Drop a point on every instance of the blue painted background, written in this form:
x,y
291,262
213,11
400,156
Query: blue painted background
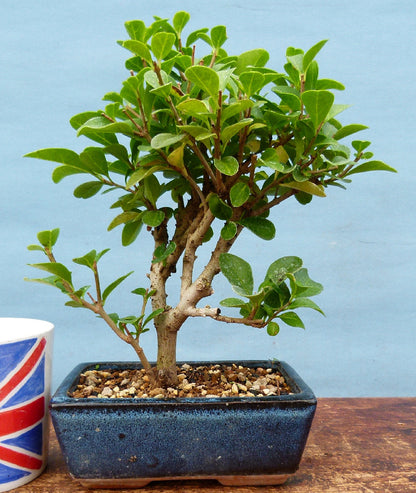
x,y
59,58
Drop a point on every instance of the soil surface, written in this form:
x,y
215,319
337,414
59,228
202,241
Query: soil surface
x,y
200,381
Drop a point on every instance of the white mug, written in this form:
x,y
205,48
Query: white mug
x,y
25,376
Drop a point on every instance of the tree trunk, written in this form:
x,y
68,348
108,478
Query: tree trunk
x,y
166,372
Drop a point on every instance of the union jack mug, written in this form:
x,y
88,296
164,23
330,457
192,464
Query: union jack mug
x,y
25,370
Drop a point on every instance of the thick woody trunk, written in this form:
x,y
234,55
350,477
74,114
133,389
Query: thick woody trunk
x,y
166,373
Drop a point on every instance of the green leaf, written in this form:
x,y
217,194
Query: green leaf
x,y
371,166
348,130
123,218
35,248
138,48
99,124
273,328
162,91
111,287
229,231
360,145
56,269
318,105
180,19
58,155
130,232
227,165
161,44
307,187
193,107
305,285
88,189
239,194
329,84
233,302
153,315
94,159
61,172
219,208
280,268
272,159
165,140
229,132
261,227
305,303
48,238
218,36
136,29
162,252
292,319
252,82
153,218
205,78
311,54
253,58
238,273
235,108
88,259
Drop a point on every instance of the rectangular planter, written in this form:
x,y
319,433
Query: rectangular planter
x,y
119,443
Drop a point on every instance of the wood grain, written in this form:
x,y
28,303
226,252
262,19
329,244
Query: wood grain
x,y
359,445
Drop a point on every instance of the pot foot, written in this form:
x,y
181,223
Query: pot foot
x,y
249,480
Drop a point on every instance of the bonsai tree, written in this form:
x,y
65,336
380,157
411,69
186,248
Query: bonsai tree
x,y
196,139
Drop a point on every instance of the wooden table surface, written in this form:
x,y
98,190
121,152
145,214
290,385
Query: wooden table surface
x,y
355,445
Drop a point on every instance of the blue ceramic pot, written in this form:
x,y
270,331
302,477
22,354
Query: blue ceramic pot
x,y
119,443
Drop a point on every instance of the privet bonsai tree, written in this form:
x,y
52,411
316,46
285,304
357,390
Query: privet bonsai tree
x,y
197,138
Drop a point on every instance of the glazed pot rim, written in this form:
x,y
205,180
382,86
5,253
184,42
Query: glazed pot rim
x,y
302,392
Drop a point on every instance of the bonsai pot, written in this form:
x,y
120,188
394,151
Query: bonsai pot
x,y
129,442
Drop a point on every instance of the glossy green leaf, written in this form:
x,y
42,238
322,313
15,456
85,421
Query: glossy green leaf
x,y
161,44
261,227
280,268
87,260
124,218
153,218
48,238
292,319
232,302
62,172
87,190
99,124
193,107
318,105
238,273
360,145
239,194
162,91
228,133
130,232
219,208
94,159
329,84
253,58
162,252
252,82
227,165
35,248
111,287
305,285
348,130
305,303
138,48
58,155
371,166
307,187
311,54
180,19
235,108
229,231
273,328
136,29
165,140
272,159
56,269
218,36
205,78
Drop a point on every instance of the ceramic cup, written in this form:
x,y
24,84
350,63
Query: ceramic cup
x,y
25,374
